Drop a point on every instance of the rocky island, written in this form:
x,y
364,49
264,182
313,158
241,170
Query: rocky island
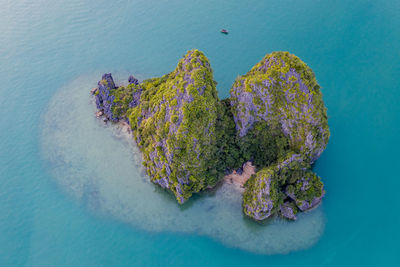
x,y
272,128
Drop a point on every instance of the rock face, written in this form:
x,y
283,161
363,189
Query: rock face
x,y
288,211
174,125
264,196
261,194
282,94
306,192
275,118
282,91
113,101
104,96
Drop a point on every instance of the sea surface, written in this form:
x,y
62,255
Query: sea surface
x,y
73,192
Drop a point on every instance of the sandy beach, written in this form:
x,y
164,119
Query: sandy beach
x,y
238,179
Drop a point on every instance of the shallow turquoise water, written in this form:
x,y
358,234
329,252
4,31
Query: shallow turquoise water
x,y
45,46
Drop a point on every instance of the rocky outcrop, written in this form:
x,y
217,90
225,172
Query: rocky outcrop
x,y
281,94
260,197
113,102
282,91
275,118
174,125
288,211
284,188
306,192
104,96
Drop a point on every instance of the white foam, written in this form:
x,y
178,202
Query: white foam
x,y
100,166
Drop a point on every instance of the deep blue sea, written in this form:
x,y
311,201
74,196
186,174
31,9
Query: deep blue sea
x,y
72,192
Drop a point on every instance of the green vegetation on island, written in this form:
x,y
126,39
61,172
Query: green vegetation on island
x,y
275,118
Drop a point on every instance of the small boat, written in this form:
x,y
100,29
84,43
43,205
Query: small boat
x,y
224,31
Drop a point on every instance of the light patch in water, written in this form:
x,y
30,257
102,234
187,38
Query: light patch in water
x,y
100,166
